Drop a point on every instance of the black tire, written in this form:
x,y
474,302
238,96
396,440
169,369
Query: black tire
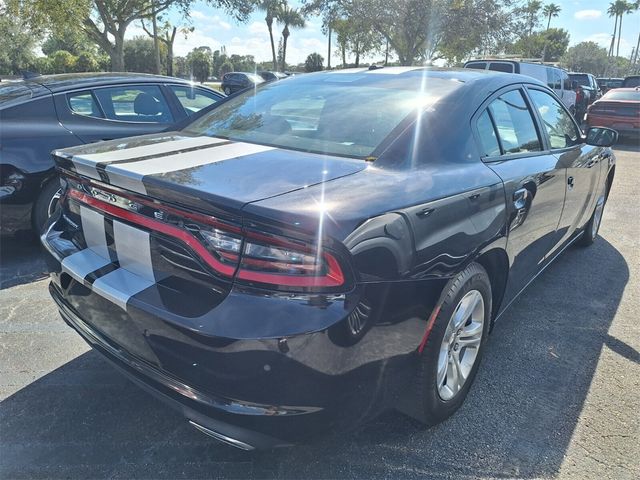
x,y
43,204
227,91
591,229
436,409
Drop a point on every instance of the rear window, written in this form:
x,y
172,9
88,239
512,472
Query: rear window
x,y
501,67
582,80
476,65
630,95
337,114
631,82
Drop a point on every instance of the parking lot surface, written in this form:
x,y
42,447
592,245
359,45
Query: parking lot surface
x,y
557,396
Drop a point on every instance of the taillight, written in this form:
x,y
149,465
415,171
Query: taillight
x,y
252,257
286,263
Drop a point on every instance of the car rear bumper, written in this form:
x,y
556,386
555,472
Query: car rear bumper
x,y
623,125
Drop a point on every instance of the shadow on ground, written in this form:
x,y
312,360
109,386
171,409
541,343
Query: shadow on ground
x,y
21,260
85,420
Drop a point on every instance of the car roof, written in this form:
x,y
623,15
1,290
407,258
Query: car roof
x,y
68,81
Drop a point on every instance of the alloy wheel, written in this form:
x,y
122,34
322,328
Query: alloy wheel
x,y
460,345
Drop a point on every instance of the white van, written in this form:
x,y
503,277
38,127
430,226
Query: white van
x,y
556,78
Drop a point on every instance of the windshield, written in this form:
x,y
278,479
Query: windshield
x,y
583,80
337,114
631,95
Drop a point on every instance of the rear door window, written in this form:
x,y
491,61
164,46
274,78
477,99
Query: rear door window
x,y
514,123
83,103
139,103
489,145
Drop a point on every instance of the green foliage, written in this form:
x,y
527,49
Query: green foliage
x,y
73,40
226,67
549,45
586,57
139,55
17,42
87,62
199,61
313,63
63,62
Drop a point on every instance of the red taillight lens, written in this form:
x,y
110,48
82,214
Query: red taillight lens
x,y
288,265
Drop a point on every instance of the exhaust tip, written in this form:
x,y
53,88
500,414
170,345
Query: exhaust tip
x,y
223,438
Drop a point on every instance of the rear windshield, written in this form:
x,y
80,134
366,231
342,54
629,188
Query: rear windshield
x,y
631,82
582,80
346,114
631,95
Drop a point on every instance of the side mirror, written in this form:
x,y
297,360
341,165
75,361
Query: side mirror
x,y
601,137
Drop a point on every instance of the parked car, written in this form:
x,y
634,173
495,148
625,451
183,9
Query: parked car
x,y
272,76
556,78
618,109
276,279
588,84
237,81
57,111
606,84
631,81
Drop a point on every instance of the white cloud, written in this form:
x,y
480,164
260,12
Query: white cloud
x,y
258,28
209,22
587,14
602,39
193,40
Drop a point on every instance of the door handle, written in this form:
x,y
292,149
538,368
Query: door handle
x,y
570,183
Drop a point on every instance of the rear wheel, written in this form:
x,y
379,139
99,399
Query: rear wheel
x,y
592,227
452,353
46,204
227,91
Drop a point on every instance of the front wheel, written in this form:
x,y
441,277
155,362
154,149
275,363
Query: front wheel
x,y
452,353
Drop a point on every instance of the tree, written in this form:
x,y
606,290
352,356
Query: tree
x,y
313,63
289,17
551,10
139,55
585,57
63,62
225,68
270,9
18,42
199,61
87,62
74,41
549,45
618,9
532,12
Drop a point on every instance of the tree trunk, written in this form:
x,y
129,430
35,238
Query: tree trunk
x,y
329,51
549,22
117,53
273,47
357,57
619,37
386,53
170,42
344,56
285,36
635,59
613,40
156,43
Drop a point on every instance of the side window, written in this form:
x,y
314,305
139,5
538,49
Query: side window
x,y
193,99
83,103
476,65
553,78
566,81
139,103
515,125
557,121
501,67
488,140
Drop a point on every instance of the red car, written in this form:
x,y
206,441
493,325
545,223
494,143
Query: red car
x,y
618,109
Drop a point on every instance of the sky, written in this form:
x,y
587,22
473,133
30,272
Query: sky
x,y
584,19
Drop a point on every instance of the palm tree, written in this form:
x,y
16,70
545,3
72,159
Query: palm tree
x,y
551,10
289,17
270,8
624,7
618,9
531,10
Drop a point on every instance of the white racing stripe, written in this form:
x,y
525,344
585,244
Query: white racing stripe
x,y
93,230
129,175
82,263
134,250
120,285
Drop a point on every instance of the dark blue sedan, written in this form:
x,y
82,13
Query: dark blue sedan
x,y
306,255
57,111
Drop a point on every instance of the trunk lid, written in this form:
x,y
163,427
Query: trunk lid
x,y
199,171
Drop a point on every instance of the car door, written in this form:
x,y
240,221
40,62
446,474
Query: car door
x,y
534,181
581,161
116,111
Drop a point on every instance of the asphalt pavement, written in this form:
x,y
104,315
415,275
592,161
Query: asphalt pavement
x,y
557,396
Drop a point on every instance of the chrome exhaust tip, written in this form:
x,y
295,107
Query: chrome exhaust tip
x,y
223,438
